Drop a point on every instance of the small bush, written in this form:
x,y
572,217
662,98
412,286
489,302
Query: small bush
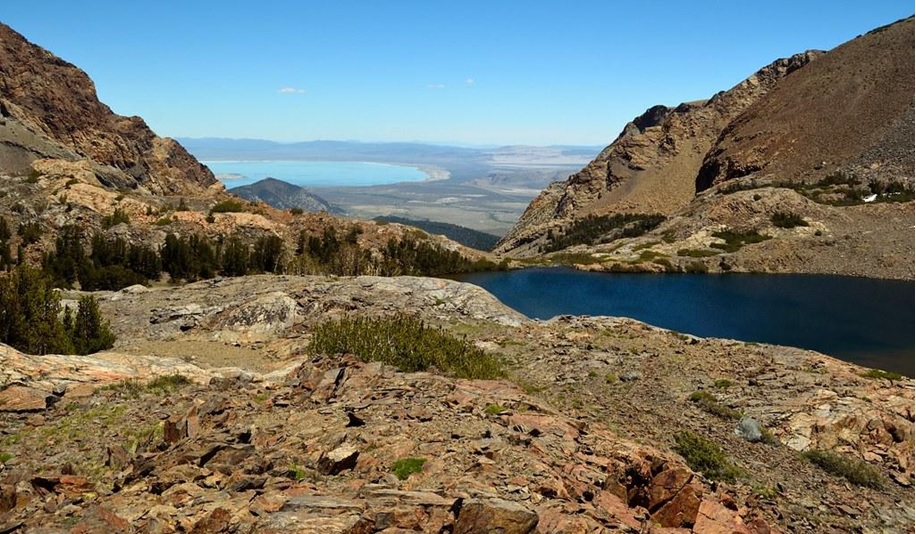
x,y
710,404
736,240
30,232
406,343
705,456
785,219
696,253
881,373
296,472
405,467
167,383
853,470
163,221
227,206
5,457
116,218
723,383
494,409
296,211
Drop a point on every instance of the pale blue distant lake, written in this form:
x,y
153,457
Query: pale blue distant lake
x,y
313,173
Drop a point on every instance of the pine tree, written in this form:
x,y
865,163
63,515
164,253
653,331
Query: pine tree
x,y
89,332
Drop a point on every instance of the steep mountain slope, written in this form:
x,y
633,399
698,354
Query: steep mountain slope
x,y
49,109
283,195
851,111
651,167
814,174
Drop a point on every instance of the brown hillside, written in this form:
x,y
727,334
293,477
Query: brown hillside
x,y
49,108
651,167
851,110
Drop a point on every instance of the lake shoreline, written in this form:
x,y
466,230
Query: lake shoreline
x,y
864,321
235,173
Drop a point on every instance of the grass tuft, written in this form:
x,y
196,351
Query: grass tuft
x,y
853,470
710,404
706,457
881,373
405,467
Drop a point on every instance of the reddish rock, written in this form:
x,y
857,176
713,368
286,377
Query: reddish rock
x,y
340,459
494,515
101,520
217,521
681,510
7,498
23,399
714,518
666,485
613,507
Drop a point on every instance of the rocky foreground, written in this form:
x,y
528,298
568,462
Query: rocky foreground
x,y
246,431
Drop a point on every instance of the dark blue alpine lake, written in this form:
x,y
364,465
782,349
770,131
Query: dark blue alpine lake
x,y
865,321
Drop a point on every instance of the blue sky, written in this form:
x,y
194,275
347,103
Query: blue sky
x,y
471,72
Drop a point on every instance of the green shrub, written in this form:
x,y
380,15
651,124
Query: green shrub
x,y
227,206
736,240
163,221
116,218
723,383
405,467
696,253
406,343
494,409
88,331
168,383
710,404
296,211
705,456
30,232
881,373
785,219
853,470
5,457
605,228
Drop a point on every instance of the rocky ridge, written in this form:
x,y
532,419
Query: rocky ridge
x,y
50,109
651,167
268,437
826,137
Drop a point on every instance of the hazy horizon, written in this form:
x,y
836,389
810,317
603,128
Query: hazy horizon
x,y
477,73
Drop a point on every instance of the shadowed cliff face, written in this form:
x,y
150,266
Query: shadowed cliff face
x,y
50,109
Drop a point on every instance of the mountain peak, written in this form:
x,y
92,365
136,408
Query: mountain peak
x,y
50,108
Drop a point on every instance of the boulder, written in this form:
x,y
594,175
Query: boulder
x,y
494,516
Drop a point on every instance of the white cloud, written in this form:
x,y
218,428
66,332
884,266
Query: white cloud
x,y
291,91
435,86
469,81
